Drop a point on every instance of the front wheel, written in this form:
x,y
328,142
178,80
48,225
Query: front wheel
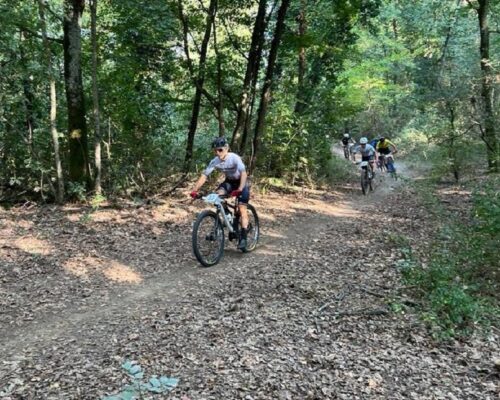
x,y
364,180
253,230
208,238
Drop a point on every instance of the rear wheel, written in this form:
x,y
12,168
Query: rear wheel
x,y
392,169
208,238
253,230
364,180
346,152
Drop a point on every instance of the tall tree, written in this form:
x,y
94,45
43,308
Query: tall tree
x,y
53,104
77,126
199,85
268,81
487,79
251,72
95,97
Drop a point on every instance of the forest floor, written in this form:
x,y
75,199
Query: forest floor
x,y
318,311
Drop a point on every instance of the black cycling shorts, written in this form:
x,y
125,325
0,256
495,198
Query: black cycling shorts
x,y
229,185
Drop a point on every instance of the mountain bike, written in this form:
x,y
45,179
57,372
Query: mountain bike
x,y
208,230
381,163
366,177
346,152
391,168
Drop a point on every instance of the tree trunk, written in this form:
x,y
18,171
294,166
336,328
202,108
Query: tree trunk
x,y
95,98
487,78
53,105
300,103
28,99
266,88
199,87
220,104
253,64
77,126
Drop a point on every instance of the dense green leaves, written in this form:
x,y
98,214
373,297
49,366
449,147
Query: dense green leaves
x,y
401,68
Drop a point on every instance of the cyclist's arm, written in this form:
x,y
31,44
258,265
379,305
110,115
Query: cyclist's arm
x,y
243,180
200,182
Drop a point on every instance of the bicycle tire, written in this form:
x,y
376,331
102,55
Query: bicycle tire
x,y
253,232
364,179
214,236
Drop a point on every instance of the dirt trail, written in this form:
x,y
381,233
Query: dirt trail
x,y
304,316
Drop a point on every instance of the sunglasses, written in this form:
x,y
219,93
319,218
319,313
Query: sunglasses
x,y
219,150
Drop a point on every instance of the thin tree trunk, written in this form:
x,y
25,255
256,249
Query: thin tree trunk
x,y
53,105
199,86
300,98
266,88
28,99
95,98
77,126
220,105
491,139
252,69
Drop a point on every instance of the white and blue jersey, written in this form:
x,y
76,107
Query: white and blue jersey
x,y
232,166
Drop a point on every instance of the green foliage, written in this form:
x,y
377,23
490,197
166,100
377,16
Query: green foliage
x,y
140,386
96,201
461,283
77,191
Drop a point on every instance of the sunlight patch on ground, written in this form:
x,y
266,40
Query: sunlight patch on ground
x,y
335,210
33,245
455,190
83,267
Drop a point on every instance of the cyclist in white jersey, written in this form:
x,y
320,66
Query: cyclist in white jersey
x,y
235,183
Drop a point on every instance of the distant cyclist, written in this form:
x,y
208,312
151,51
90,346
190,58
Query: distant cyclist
x,y
235,183
347,142
374,142
367,152
384,146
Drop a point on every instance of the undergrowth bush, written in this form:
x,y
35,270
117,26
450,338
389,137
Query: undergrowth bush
x,y
460,284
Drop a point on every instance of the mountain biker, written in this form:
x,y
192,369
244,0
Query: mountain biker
x,y
347,142
374,142
346,139
235,182
383,146
367,152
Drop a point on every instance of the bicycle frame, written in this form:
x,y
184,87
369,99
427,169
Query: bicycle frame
x,y
219,203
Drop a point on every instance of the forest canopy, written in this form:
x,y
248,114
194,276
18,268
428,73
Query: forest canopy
x,y
101,96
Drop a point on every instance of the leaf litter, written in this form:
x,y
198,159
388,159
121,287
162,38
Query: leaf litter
x,y
305,316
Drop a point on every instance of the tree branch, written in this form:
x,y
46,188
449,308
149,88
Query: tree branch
x,y
38,35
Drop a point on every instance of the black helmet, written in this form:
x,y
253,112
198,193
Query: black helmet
x,y
219,142
382,138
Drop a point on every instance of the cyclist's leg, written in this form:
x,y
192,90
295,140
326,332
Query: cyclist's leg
x,y
242,205
224,188
243,209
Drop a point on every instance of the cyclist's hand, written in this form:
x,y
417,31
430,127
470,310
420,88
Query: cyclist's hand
x,y
194,194
236,193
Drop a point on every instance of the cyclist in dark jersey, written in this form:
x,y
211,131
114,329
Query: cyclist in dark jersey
x,y
235,183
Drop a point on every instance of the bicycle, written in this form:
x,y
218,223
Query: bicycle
x,y
208,235
387,161
346,151
366,177
391,168
381,163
